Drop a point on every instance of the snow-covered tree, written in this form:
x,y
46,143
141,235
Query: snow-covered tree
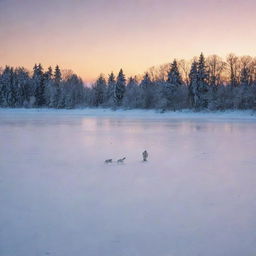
x,y
133,97
56,100
119,88
211,83
202,88
148,88
192,96
172,88
23,87
73,91
57,75
110,92
8,96
48,81
39,86
174,76
99,89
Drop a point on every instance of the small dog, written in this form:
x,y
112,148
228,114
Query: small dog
x,y
119,161
108,161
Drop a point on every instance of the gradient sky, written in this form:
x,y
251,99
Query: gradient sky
x,y
99,36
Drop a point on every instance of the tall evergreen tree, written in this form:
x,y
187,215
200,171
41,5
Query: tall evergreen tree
x,y
147,91
192,90
120,88
174,76
171,88
8,88
38,79
110,94
56,101
202,85
13,94
48,74
49,89
57,75
6,80
99,91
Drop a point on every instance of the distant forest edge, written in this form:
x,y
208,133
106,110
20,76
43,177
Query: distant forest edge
x,y
202,83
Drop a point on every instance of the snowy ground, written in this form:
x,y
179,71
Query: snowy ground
x,y
195,196
137,113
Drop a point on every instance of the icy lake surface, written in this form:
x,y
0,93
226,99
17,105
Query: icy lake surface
x,y
196,196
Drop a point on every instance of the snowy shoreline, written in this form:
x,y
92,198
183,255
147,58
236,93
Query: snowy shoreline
x,y
138,113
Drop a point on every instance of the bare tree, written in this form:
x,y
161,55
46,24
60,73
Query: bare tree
x,y
67,73
216,67
184,68
233,68
158,73
246,70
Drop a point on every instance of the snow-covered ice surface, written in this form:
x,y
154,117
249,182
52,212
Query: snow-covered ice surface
x,y
195,196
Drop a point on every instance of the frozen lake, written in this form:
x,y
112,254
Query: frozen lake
x,y
196,196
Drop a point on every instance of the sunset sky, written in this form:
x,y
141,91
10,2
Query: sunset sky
x,y
99,36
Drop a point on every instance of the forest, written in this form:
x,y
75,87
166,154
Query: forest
x,y
202,83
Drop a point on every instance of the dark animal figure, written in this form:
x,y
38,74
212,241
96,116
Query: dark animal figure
x,y
119,161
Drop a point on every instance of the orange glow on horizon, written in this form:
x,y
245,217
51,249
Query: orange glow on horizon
x,y
93,37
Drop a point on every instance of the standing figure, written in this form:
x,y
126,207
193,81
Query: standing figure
x,y
145,155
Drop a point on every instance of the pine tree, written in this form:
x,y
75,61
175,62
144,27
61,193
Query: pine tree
x,y
202,90
13,94
48,74
6,81
132,81
49,89
99,91
8,88
192,90
57,75
120,88
171,88
147,91
174,76
110,94
38,78
56,101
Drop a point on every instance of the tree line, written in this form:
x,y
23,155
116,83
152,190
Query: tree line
x,y
203,83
